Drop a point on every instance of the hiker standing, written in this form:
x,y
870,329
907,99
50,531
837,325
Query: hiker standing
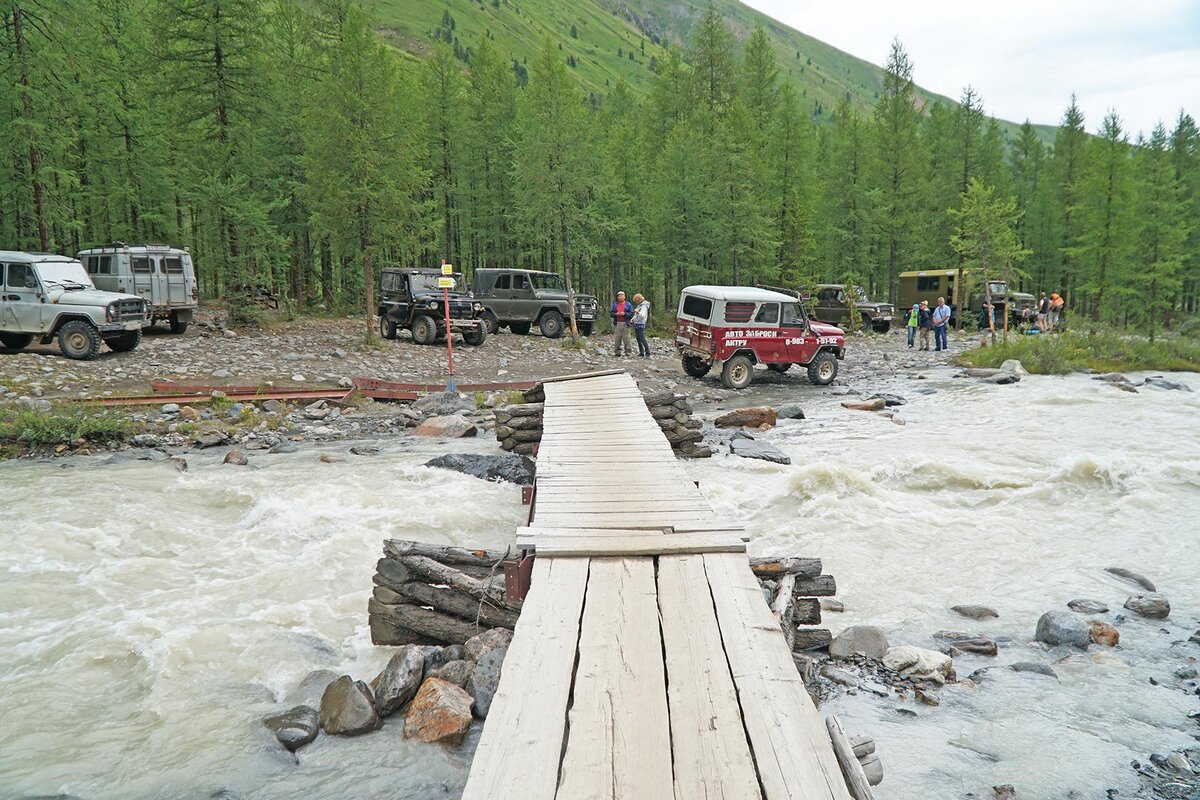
x,y
941,316
914,317
1056,305
1043,312
925,322
641,316
621,313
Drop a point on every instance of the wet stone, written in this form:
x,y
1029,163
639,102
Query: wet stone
x,y
398,682
1088,606
347,708
1151,605
484,680
441,712
295,727
975,612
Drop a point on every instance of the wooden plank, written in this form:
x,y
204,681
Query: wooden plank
x,y
791,748
548,382
629,505
619,745
519,750
539,531
708,742
860,788
646,543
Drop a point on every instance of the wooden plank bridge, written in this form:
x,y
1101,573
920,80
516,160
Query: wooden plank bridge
x,y
646,663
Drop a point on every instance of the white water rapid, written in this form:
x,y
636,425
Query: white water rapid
x,y
150,618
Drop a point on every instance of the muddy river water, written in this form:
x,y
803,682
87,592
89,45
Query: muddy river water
x,y
149,618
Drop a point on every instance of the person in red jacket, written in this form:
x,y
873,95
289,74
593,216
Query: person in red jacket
x,y
622,315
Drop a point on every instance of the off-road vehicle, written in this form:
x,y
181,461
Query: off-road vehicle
x,y
412,300
160,274
522,298
830,302
953,284
44,296
734,328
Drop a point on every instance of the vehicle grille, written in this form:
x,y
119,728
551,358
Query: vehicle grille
x,y
461,309
129,310
887,311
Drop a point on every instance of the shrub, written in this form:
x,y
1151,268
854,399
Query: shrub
x,y
1100,349
61,426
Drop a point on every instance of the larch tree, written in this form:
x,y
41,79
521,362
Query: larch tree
x,y
985,237
1161,231
1068,163
896,128
1106,200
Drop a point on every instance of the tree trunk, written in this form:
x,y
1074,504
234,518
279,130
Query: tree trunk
x,y
35,154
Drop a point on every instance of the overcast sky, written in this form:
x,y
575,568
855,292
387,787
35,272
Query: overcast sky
x,y
1026,57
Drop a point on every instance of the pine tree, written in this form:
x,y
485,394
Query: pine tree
x,y
985,237
847,197
896,127
1161,232
1185,157
1106,202
488,152
1067,166
442,98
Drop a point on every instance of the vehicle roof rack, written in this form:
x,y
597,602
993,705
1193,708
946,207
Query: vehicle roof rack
x,y
780,289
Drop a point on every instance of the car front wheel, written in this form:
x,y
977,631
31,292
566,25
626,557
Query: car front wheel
x,y
124,342
551,324
823,369
424,330
79,340
586,328
737,373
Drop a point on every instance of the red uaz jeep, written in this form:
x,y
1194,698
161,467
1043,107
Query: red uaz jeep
x,y
735,328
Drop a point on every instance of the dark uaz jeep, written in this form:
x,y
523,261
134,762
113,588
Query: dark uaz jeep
x,y
830,302
412,299
520,298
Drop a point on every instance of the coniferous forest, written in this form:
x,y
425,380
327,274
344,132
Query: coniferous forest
x,y
289,147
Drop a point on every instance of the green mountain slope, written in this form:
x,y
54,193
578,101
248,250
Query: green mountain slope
x,y
616,39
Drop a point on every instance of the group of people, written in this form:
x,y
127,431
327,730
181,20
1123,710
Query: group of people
x,y
626,315
1049,312
925,321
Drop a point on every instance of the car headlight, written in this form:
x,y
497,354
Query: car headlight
x,y
109,312
432,304
479,306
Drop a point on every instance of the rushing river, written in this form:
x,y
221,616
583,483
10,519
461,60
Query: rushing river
x,y
150,618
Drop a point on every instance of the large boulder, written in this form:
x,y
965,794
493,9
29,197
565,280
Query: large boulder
x,y
481,644
511,468
753,417
1059,627
450,427
1014,367
867,640
1151,605
347,708
400,679
439,404
917,662
295,727
441,712
749,448
456,672
484,680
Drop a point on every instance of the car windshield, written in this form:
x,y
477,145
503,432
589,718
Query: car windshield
x,y
428,282
64,275
997,287
547,280
860,295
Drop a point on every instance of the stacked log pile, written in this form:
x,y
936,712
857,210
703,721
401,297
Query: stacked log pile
x,y
519,426
425,594
793,588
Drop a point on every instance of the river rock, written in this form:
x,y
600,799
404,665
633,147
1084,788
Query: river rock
x,y
441,712
170,408
753,417
212,437
484,680
832,605
1005,792
751,448
1103,633
1088,606
975,612
979,645
295,727
272,406
1015,367
451,427
399,680
917,662
1132,577
309,691
866,405
437,656
236,457
510,467
1002,378
1035,668
439,404
889,400
789,411
480,645
928,698
146,440
1151,605
456,672
868,640
838,676
1059,627
347,708
1165,384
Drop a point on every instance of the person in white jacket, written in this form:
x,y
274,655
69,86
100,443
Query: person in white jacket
x,y
641,316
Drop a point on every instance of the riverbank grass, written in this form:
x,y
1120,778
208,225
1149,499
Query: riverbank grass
x,y
26,428
1098,350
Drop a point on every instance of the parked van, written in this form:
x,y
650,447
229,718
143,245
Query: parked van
x,y
931,284
160,274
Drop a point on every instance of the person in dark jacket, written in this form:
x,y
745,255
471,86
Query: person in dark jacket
x,y
622,316
925,323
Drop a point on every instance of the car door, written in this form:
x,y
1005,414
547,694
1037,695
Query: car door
x,y
799,340
500,298
143,268
176,293
523,307
769,344
22,307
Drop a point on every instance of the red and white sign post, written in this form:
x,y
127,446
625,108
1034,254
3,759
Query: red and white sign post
x,y
446,283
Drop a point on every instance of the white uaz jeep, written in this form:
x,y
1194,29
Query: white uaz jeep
x,y
47,296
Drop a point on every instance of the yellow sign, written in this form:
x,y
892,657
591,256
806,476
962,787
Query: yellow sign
x,y
447,269
445,283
